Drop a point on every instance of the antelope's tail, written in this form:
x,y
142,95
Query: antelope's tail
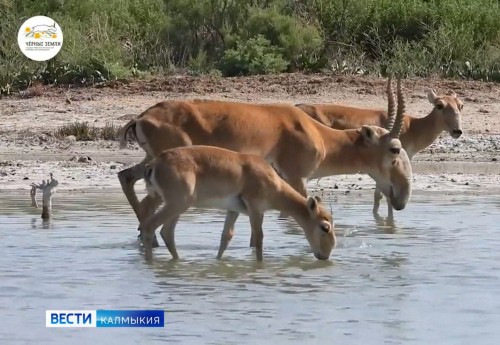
x,y
129,127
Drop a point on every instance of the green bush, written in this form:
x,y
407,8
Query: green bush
x,y
201,27
295,38
106,40
103,40
253,56
419,37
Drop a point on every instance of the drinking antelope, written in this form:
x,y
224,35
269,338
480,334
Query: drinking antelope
x,y
417,133
297,146
212,177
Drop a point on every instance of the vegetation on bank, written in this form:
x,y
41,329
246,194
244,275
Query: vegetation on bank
x,y
113,39
83,131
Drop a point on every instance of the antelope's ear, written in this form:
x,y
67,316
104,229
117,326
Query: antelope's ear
x,y
368,134
312,204
432,96
318,199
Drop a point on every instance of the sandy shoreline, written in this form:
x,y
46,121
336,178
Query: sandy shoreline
x,y
28,151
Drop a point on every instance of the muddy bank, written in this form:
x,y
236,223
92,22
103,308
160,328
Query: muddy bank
x,y
29,151
101,174
28,145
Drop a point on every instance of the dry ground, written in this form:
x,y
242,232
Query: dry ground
x,y
28,152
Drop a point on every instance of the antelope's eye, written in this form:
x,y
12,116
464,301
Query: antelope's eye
x,y
440,106
325,227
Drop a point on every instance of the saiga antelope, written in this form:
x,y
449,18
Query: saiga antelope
x,y
297,146
212,177
417,133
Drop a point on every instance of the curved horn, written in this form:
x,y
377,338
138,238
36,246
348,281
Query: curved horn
x,y
391,102
398,123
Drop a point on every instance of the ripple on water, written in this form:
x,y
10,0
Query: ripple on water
x,y
430,277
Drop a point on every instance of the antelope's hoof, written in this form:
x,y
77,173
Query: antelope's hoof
x,y
155,240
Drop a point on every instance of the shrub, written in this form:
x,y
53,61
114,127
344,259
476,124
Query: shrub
x,y
420,37
295,39
103,40
253,56
201,27
82,131
106,40
110,131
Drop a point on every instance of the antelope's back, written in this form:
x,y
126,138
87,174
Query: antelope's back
x,y
217,172
344,117
241,127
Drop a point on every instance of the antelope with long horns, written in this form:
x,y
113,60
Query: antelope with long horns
x,y
417,132
297,146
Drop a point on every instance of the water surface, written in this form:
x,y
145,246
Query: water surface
x,y
432,278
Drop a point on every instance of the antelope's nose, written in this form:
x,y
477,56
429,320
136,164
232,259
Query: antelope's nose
x,y
456,133
395,150
398,206
320,257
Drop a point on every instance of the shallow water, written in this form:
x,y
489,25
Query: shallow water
x,y
433,278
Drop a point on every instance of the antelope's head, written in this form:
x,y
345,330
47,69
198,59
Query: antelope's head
x,y
392,172
318,228
448,109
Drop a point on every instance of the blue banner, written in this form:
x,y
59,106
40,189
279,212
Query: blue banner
x,y
130,318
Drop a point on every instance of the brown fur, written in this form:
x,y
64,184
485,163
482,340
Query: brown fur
x,y
296,146
417,133
211,177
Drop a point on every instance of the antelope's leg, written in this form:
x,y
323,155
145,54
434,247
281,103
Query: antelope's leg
x,y
149,226
390,214
168,215
167,232
256,219
252,238
227,232
128,177
377,196
147,208
297,183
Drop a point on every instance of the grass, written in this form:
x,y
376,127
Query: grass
x,y
115,39
82,131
